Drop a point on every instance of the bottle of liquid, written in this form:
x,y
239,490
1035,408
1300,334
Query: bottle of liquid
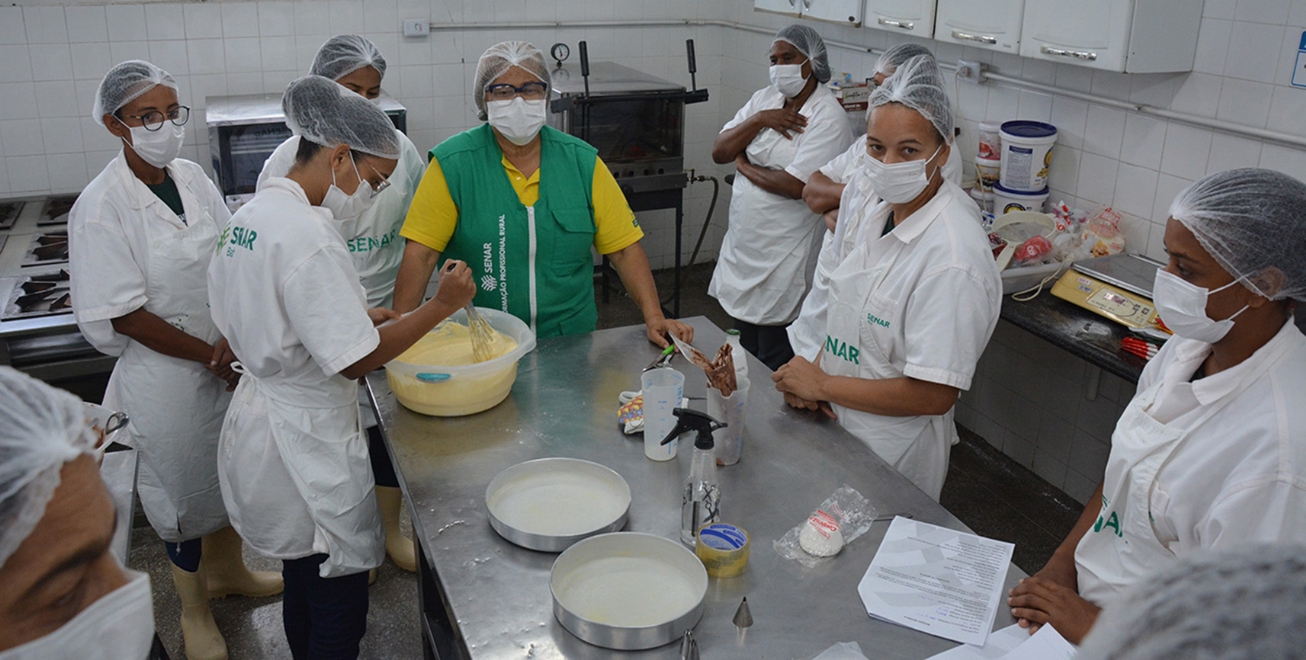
x,y
700,502
737,353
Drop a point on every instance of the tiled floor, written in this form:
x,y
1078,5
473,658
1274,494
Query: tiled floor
x,y
989,492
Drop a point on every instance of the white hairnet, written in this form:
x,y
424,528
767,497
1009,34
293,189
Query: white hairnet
x,y
896,56
320,111
1248,603
918,85
344,54
125,83
809,43
41,428
1253,221
497,59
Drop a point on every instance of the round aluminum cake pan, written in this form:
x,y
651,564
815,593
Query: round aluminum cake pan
x,y
628,591
550,503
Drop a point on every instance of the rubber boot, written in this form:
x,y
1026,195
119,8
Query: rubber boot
x,y
397,546
227,573
200,633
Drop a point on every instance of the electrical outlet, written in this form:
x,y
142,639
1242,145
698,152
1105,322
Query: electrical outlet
x,y
971,71
417,28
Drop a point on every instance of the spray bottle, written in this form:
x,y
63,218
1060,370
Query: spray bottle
x,y
701,500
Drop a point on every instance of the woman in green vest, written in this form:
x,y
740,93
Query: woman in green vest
x,y
523,204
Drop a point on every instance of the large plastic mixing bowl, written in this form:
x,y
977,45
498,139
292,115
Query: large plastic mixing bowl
x,y
451,391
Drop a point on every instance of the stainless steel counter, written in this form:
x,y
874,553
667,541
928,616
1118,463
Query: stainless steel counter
x,y
118,471
487,598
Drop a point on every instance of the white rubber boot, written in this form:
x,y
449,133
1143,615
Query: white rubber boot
x,y
200,633
397,545
227,574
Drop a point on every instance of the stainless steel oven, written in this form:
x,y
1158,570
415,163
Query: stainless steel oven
x,y
245,130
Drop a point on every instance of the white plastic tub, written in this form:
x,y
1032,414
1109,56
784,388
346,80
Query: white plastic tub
x,y
1010,201
1026,154
452,391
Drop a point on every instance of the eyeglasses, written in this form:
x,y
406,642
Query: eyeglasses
x,y
380,187
531,91
153,121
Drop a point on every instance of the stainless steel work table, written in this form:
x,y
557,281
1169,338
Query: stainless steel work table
x,y
483,597
118,470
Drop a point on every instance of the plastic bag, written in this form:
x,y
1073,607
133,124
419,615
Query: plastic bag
x,y
846,508
842,651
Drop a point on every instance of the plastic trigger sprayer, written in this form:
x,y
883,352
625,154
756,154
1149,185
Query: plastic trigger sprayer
x,y
701,499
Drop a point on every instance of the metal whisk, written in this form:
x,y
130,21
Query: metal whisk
x,y
482,334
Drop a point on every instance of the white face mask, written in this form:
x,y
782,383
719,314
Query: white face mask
x,y
1182,307
517,119
157,148
348,207
899,183
376,101
788,79
120,625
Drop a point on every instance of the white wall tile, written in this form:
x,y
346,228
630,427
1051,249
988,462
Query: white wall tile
x,y
1232,151
1263,11
17,64
45,24
1186,151
91,61
1035,106
1219,8
382,16
18,100
276,19
171,55
243,55
310,19
1168,187
240,19
1097,178
1212,46
203,20
1253,51
1049,468
58,99
346,16
62,135
67,172
120,51
1144,141
86,24
206,56
165,21
125,22
1064,175
1111,85
1135,190
1297,13
1287,109
27,173
1070,116
1080,487
12,30
1198,94
1245,102
21,137
1288,160
278,54
1156,90
1104,131
1003,104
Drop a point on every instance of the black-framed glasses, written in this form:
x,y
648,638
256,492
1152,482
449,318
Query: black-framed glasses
x,y
153,120
531,91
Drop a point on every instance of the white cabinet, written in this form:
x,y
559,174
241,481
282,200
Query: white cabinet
x,y
914,17
843,12
994,24
1133,36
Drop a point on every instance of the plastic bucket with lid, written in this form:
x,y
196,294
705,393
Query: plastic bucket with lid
x,y
987,172
1026,154
1007,201
990,140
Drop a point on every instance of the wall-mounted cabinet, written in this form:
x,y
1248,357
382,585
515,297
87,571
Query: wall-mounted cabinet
x,y
843,12
1133,36
994,25
913,17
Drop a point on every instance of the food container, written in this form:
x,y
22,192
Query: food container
x,y
550,503
1026,154
451,391
1007,201
988,171
990,139
628,591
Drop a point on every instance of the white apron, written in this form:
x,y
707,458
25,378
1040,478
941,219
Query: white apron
x,y
1122,547
917,446
176,406
766,259
294,462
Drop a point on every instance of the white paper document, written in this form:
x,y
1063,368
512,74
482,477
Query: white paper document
x,y
1015,643
936,580
1046,644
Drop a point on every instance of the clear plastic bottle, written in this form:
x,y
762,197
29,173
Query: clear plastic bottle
x,y
738,354
701,501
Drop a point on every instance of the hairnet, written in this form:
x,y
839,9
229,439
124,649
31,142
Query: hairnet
x,y
497,59
896,56
1253,222
320,111
809,43
918,85
41,428
125,83
1210,605
344,54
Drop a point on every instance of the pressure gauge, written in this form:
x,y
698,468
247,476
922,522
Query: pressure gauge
x,y
560,52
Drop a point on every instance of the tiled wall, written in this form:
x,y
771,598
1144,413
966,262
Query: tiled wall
x,y
54,57
1029,398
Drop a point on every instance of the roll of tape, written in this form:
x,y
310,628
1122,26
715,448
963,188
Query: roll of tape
x,y
723,549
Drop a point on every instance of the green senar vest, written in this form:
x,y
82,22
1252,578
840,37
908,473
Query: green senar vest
x,y
493,234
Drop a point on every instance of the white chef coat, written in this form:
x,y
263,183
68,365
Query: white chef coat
x,y
372,238
1235,478
768,254
130,251
292,459
841,169
921,302
807,332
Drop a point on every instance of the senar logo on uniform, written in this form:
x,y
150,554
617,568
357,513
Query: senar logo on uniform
x,y
873,319
842,349
233,237
368,243
1107,522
